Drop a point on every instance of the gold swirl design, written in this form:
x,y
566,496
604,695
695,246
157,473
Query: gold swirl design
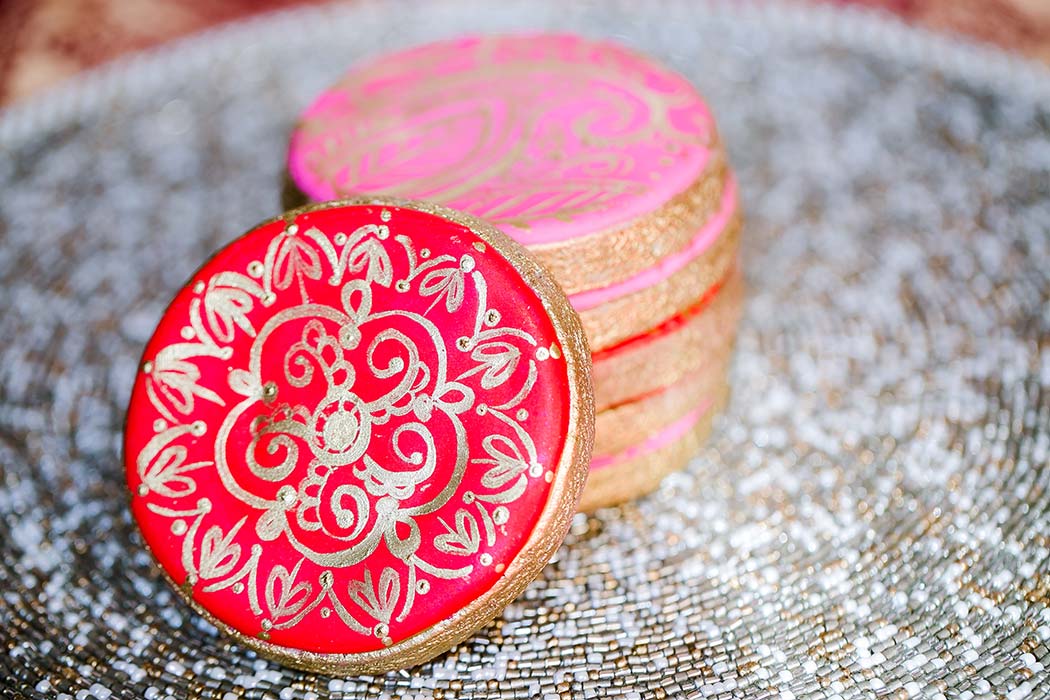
x,y
512,80
339,425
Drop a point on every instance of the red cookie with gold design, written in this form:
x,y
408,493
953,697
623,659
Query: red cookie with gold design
x,y
359,431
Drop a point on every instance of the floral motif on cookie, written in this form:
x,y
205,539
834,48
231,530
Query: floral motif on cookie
x,y
549,137
346,427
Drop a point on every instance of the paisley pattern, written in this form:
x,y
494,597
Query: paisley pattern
x,y
339,415
550,137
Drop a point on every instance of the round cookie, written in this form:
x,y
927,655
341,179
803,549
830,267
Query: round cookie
x,y
630,308
622,427
672,351
598,159
358,432
639,469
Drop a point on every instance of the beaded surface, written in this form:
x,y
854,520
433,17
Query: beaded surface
x,y
871,519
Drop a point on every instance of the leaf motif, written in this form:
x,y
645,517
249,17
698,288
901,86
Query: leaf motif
x,y
219,553
506,460
371,256
499,359
379,602
568,197
175,379
295,258
271,524
446,282
285,597
228,302
242,381
166,473
464,539
322,242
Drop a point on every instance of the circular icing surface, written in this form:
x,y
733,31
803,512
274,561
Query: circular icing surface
x,y
547,136
346,428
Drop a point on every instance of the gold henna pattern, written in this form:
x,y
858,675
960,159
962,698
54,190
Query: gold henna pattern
x,y
382,500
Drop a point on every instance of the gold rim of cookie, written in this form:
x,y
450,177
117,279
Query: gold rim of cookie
x,y
610,256
636,313
658,359
637,476
617,429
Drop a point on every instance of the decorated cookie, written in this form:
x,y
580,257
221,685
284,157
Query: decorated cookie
x,y
599,160
684,345
625,310
358,432
621,427
640,468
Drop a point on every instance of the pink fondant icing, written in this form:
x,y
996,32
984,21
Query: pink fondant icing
x,y
668,265
662,438
547,136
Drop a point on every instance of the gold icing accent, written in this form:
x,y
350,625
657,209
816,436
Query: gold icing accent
x,y
636,477
567,480
633,314
639,368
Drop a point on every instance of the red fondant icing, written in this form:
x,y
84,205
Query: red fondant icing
x,y
342,434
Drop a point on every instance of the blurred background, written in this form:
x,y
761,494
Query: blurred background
x,y
48,41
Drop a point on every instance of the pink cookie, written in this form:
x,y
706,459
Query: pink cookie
x,y
598,159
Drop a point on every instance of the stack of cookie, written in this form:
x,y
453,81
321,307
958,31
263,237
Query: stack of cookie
x,y
607,167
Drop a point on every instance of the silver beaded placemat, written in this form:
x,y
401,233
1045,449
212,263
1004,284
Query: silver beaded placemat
x,y
872,518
